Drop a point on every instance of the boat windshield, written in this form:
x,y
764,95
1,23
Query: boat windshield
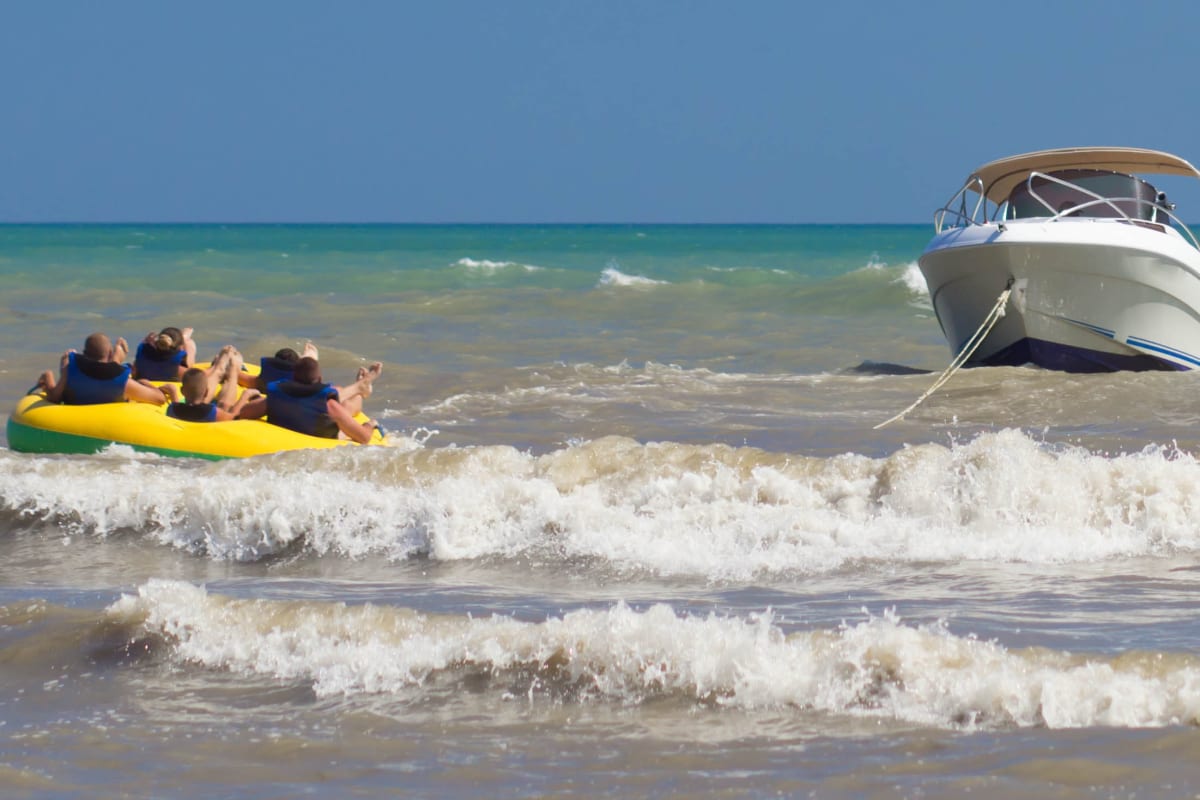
x,y
1087,193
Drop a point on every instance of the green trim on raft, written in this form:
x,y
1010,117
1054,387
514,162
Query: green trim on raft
x,y
26,439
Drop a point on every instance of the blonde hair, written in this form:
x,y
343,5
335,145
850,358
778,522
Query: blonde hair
x,y
168,340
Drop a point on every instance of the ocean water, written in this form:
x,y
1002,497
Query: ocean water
x,y
636,534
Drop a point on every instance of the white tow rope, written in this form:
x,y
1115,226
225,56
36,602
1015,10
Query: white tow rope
x,y
963,356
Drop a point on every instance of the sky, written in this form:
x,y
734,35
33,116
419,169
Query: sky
x,y
515,111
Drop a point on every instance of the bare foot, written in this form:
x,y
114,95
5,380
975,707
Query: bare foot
x,y
366,379
119,351
187,333
233,367
221,362
310,351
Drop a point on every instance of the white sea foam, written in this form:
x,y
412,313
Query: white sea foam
x,y
915,281
487,267
908,276
611,276
716,511
877,668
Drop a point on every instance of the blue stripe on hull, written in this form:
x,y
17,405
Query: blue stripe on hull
x,y
1162,348
1072,359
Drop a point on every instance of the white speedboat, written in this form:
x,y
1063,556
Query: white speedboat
x,y
1103,275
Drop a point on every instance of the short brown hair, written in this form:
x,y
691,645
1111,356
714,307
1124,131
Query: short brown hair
x,y
97,347
195,385
307,371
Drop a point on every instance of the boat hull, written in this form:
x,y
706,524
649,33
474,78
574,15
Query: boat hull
x,y
1088,295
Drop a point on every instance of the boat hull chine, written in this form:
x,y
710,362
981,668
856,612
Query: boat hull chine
x,y
1063,358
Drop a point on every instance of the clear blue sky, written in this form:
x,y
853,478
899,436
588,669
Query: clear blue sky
x,y
568,111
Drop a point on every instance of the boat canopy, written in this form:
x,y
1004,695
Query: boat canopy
x,y
1000,177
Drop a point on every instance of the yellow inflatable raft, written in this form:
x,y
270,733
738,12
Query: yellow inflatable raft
x,y
37,426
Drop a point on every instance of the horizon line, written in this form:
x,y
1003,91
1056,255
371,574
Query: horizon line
x,y
381,223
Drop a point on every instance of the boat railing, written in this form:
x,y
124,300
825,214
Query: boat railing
x,y
960,212
956,207
1098,200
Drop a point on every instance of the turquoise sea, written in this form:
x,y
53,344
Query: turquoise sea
x,y
636,534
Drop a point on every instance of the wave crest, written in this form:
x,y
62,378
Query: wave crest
x,y
666,508
878,668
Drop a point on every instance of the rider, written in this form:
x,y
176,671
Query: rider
x,y
308,405
97,376
165,356
199,385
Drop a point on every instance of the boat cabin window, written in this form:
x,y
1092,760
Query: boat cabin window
x,y
1137,197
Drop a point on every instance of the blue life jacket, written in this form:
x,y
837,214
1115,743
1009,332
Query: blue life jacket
x,y
90,382
273,369
301,407
152,365
200,412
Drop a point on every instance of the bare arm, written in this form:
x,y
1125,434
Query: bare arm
x,y
247,397
235,410
255,409
357,431
54,391
145,393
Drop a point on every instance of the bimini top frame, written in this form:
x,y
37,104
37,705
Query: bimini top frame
x,y
995,180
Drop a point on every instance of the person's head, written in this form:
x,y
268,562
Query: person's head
x,y
287,355
97,347
168,340
307,371
195,385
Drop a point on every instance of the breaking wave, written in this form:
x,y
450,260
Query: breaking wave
x,y
879,667
716,511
